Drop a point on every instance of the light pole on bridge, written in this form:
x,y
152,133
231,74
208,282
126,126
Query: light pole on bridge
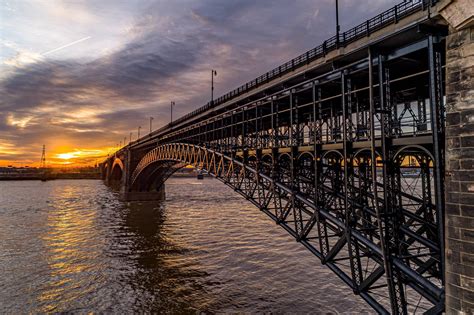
x,y
171,108
151,119
213,74
139,127
338,28
130,137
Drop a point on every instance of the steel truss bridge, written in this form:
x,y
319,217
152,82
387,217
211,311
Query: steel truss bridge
x,y
342,147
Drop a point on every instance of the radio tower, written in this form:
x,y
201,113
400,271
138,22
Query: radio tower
x,y
43,158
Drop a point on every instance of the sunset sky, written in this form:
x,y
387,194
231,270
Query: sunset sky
x,y
79,76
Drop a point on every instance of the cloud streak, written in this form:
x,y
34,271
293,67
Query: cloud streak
x,y
65,46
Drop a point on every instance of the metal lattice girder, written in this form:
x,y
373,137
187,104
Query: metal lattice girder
x,y
350,247
348,159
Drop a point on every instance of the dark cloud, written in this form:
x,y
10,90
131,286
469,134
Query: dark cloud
x,y
168,55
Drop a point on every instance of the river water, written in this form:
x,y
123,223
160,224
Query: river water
x,y
72,246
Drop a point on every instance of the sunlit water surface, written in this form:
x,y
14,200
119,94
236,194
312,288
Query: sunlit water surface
x,y
72,246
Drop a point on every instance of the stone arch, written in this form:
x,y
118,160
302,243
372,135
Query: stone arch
x,y
116,173
119,163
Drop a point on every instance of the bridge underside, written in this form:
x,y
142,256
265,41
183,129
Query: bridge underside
x,y
150,184
347,156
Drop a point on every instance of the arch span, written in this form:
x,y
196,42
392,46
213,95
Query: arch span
x,y
154,175
115,176
118,163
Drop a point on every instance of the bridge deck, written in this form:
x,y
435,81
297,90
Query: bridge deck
x,y
388,32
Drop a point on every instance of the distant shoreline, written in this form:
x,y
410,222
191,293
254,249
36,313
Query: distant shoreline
x,y
55,176
9,177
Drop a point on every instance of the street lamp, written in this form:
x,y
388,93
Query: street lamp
x,y
338,28
139,127
171,107
124,140
213,74
151,119
130,137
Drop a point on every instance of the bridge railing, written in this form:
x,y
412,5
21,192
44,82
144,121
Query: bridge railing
x,y
390,16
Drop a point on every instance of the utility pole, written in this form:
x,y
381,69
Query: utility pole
x,y
151,119
213,73
171,107
139,127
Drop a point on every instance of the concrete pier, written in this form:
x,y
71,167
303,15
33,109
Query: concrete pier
x,y
144,195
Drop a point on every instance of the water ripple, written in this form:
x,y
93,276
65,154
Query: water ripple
x,y
72,246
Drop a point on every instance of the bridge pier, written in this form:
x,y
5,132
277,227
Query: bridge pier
x,y
144,195
459,178
116,173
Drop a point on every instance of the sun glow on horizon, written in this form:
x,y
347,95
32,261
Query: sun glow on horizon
x,y
79,156
58,157
65,156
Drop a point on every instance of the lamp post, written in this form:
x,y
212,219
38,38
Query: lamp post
x,y
151,119
139,127
130,138
124,140
338,28
213,73
171,108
